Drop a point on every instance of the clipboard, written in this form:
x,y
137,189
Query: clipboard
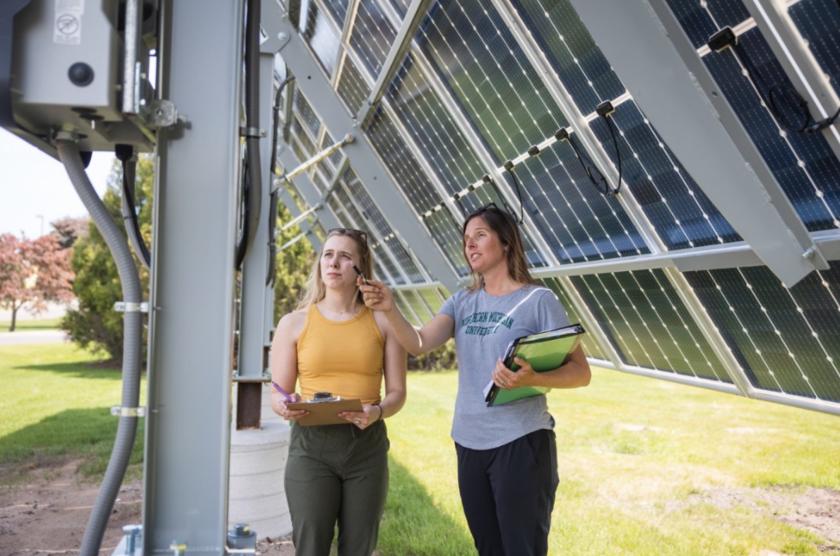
x,y
545,351
325,413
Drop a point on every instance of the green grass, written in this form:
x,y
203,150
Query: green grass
x,y
56,404
646,466
36,324
644,469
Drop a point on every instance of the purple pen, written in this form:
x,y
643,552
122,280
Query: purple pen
x,y
278,388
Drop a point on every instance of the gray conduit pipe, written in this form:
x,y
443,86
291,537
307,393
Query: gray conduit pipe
x,y
68,153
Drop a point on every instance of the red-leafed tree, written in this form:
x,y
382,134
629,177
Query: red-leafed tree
x,y
33,272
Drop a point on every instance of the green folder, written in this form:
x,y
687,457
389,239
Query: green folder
x,y
545,351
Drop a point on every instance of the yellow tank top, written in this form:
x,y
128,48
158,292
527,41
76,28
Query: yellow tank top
x,y
341,357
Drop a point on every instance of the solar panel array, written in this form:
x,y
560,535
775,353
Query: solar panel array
x,y
498,101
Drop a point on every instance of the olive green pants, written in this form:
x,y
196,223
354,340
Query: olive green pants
x,y
336,474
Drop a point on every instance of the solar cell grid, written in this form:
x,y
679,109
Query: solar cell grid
x,y
590,347
786,340
648,323
372,35
307,115
338,9
431,126
584,71
376,218
352,87
413,182
320,34
578,222
818,22
433,298
481,64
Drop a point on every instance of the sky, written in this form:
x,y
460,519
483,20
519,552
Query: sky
x,y
35,189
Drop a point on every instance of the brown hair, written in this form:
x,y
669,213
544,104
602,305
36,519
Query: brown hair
x,y
505,227
315,288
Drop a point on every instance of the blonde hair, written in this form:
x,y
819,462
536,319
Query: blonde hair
x,y
315,289
505,227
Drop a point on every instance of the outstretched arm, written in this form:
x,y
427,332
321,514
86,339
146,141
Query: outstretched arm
x,y
431,336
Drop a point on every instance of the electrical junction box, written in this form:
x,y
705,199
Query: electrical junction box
x,y
68,73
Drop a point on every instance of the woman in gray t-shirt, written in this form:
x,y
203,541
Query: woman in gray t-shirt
x,y
507,456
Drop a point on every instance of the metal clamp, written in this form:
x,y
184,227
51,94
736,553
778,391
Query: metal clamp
x,y
131,307
138,411
254,132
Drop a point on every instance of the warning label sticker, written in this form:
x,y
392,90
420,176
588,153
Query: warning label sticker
x,y
68,21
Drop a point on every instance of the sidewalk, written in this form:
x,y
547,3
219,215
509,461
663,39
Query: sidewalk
x,y
20,337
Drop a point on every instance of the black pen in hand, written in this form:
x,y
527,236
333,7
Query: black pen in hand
x,y
360,273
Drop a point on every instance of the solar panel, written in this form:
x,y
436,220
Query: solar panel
x,y
482,84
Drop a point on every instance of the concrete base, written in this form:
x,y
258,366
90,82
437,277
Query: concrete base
x,y
257,464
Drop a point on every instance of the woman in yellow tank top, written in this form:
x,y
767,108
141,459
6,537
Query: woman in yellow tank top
x,y
338,474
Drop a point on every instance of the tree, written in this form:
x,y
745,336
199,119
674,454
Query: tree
x,y
293,266
70,229
32,273
95,324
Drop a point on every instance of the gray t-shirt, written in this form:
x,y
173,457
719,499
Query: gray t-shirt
x,y
484,326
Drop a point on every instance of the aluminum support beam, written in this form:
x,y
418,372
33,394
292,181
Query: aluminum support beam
x,y
664,83
305,226
369,168
307,190
731,255
257,296
402,43
192,282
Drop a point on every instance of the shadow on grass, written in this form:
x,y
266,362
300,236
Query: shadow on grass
x,y
87,434
413,524
108,370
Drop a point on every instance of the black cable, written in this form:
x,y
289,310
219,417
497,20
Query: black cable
x,y
252,189
125,154
588,167
611,127
275,121
518,193
271,274
781,97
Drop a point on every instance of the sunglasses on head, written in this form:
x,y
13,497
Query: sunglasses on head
x,y
361,235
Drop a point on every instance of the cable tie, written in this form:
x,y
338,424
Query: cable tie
x,y
534,150
253,132
139,411
561,134
508,165
131,307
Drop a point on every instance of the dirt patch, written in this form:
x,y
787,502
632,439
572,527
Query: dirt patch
x,y
814,509
46,509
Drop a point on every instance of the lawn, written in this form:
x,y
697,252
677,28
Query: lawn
x,y
56,403
36,324
646,466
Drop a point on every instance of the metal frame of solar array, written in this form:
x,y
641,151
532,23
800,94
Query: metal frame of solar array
x,y
658,276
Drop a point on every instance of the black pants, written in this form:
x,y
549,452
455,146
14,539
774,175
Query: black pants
x,y
508,494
